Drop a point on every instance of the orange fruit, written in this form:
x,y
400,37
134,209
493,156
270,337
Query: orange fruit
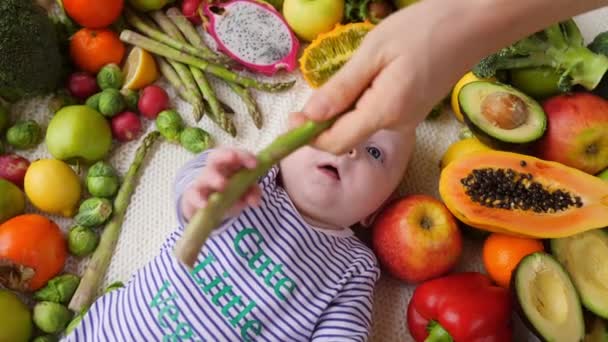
x,y
94,13
502,253
91,49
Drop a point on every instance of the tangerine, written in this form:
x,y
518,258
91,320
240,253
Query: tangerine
x,y
94,13
92,49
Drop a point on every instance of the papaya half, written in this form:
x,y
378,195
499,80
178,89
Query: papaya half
x,y
512,193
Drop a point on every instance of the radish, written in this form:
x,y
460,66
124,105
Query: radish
x,y
82,85
13,168
152,101
126,126
190,11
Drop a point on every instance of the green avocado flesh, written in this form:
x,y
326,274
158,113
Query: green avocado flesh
x,y
547,300
585,258
498,113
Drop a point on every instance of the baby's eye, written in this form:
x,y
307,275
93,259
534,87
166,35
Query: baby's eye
x,y
374,152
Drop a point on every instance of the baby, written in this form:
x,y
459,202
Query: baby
x,y
283,266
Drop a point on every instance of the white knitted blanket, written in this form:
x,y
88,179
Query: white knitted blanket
x,y
150,215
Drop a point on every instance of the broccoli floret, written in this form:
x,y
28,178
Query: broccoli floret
x,y
31,62
560,46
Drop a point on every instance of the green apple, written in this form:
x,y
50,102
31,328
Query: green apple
x,y
15,318
404,3
604,175
309,18
149,5
79,134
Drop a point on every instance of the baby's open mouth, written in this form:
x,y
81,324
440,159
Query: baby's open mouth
x,y
330,170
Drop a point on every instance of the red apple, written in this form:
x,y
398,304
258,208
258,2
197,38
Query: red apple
x,y
577,131
416,238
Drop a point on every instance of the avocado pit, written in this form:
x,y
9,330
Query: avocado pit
x,y
504,110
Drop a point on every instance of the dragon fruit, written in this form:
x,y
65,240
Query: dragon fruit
x,y
254,34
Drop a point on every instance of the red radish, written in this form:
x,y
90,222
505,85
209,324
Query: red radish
x,y
13,168
152,101
82,85
125,126
190,11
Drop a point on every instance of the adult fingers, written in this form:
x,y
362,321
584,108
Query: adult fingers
x,y
341,91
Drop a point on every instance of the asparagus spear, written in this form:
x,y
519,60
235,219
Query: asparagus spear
x,y
218,115
160,49
98,265
209,217
142,26
185,93
185,27
250,103
191,34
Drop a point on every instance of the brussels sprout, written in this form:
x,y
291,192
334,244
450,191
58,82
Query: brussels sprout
x,y
5,119
59,289
82,241
131,98
51,317
93,211
195,139
46,338
111,102
102,180
114,286
170,124
93,101
110,77
25,134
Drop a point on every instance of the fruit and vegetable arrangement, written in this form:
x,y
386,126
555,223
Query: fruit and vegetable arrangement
x,y
528,179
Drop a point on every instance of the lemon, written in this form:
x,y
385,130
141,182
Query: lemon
x,y
466,79
53,187
462,148
140,69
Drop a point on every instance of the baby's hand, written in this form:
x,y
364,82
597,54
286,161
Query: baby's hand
x,y
221,164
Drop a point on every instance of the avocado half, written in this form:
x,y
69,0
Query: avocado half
x,y
547,300
585,258
501,116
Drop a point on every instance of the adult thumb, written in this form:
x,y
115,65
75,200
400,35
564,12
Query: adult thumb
x,y
341,91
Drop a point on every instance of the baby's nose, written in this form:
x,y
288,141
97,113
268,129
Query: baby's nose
x,y
352,153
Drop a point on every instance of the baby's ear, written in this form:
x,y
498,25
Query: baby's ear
x,y
369,220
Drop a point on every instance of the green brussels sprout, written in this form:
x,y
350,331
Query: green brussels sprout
x,y
74,323
102,180
25,134
46,338
131,99
5,118
51,317
93,212
111,102
93,101
110,77
195,139
114,286
59,289
170,124
82,241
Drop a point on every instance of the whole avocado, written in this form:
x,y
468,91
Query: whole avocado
x,y
31,63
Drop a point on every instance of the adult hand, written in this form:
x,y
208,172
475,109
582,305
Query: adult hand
x,y
410,61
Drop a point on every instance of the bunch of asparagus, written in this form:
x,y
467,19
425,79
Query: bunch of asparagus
x,y
184,59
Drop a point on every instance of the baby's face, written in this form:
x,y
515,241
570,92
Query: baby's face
x,y
343,190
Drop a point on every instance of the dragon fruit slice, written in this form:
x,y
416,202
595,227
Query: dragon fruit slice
x,y
254,34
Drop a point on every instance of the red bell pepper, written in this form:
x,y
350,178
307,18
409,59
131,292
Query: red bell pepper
x,y
462,307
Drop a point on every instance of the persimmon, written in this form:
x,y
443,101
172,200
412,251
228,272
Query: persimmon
x,y
94,13
33,250
92,49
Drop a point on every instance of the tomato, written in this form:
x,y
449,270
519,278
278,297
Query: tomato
x,y
536,82
35,247
94,13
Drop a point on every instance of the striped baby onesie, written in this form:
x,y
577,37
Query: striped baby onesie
x,y
265,275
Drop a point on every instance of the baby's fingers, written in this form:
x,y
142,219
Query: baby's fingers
x,y
230,160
